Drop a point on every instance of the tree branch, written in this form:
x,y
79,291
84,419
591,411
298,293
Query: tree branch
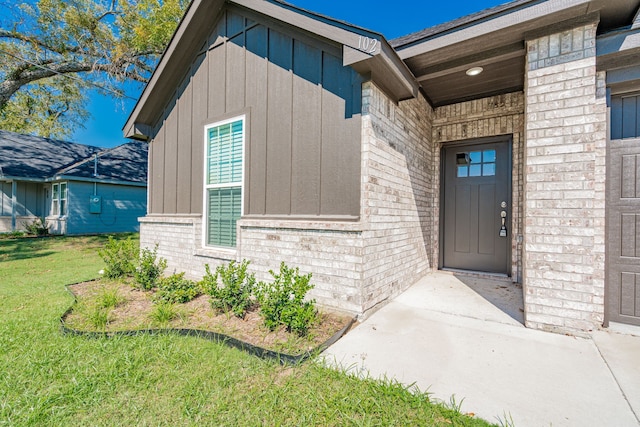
x,y
37,42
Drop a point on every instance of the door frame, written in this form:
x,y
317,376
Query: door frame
x,y
470,143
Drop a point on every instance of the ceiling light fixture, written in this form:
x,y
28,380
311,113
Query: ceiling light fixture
x,y
474,71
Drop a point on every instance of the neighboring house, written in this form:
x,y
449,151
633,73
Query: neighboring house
x,y
75,188
504,143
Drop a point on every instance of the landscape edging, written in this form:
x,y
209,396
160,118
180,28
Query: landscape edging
x,y
209,335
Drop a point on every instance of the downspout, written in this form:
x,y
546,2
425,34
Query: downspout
x,y
14,202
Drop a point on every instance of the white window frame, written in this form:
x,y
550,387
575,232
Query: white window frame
x,y
57,199
206,187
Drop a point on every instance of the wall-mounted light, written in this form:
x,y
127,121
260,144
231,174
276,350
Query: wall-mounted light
x,y
474,71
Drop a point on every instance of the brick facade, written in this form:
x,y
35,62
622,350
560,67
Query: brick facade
x,y
487,117
355,265
565,178
399,193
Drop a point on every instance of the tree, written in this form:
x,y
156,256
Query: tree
x,y
53,51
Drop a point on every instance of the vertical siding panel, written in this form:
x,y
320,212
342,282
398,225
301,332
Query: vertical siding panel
x,y
157,179
279,124
184,148
256,99
5,198
340,170
171,160
217,80
235,73
150,166
200,89
306,141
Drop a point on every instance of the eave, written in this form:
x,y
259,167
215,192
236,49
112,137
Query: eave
x,y
366,51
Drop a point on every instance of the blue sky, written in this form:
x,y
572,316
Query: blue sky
x,y
392,18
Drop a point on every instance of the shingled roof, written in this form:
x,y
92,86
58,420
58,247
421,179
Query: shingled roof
x,y
26,157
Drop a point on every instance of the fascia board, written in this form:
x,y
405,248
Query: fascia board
x,y
522,15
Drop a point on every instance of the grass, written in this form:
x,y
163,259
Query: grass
x,y
50,379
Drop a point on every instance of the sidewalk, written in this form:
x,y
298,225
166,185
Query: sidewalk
x,y
451,341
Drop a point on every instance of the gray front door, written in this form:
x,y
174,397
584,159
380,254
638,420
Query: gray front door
x,y
623,211
476,203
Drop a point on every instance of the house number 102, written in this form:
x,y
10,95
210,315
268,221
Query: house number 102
x,y
367,44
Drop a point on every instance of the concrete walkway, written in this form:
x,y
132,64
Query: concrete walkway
x,y
458,336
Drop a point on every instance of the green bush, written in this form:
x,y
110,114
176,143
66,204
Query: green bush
x,y
177,289
150,268
282,302
37,227
119,257
230,288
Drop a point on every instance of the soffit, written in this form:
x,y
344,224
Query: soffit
x,y
495,39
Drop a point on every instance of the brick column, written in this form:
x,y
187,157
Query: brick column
x,y
565,106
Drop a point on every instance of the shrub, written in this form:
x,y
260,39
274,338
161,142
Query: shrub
x,y
150,268
177,289
37,227
282,302
230,288
119,257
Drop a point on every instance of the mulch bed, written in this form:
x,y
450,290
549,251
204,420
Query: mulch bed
x,y
197,317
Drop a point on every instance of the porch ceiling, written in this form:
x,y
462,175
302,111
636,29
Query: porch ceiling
x,y
495,40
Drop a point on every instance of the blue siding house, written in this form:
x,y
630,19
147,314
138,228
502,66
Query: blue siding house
x,y
74,188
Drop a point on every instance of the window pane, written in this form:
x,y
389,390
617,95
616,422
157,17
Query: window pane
x,y
225,206
475,170
54,192
224,153
63,190
463,171
476,157
489,169
489,156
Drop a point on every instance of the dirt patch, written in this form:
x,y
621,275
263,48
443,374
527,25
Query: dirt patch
x,y
134,312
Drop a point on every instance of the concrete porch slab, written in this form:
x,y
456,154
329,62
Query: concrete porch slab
x,y
451,341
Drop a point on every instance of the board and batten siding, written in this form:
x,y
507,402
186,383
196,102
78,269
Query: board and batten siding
x,y
5,198
121,207
303,121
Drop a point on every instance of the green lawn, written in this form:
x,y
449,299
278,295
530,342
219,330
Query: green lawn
x,y
48,379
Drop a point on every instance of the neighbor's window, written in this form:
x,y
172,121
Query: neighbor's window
x,y
224,144
59,199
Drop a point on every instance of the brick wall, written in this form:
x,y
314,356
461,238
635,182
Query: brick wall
x,y
481,118
331,251
398,194
565,178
